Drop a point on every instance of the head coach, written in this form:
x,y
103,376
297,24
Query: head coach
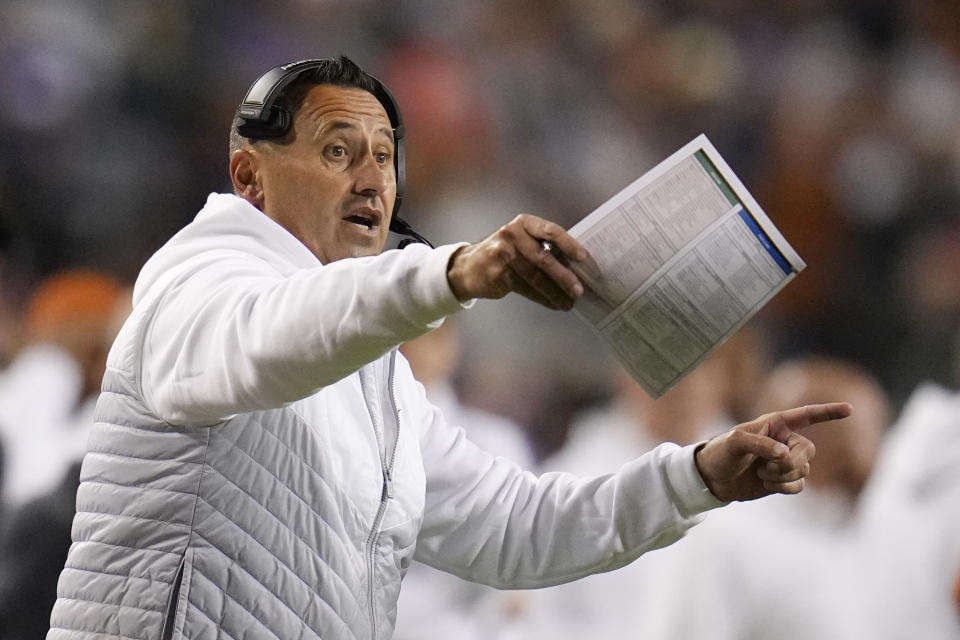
x,y
263,463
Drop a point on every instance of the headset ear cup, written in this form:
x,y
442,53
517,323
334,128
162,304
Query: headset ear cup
x,y
280,121
274,124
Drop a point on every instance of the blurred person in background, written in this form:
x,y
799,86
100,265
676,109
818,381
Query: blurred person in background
x,y
69,325
263,462
790,569
46,405
435,604
910,520
911,513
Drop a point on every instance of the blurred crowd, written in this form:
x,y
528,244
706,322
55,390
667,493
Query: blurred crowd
x,y
842,117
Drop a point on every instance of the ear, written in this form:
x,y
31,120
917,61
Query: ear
x,y
243,174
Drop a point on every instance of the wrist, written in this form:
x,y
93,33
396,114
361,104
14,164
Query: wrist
x,y
455,277
687,485
700,464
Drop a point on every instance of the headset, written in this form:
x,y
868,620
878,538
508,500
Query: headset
x,y
261,118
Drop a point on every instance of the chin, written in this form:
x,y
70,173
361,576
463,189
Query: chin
x,y
357,252
349,250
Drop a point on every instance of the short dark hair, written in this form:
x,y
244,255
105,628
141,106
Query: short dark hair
x,y
340,72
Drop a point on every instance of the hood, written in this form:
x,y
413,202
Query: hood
x,y
226,225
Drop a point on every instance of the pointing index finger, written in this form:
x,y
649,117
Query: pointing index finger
x,y
815,413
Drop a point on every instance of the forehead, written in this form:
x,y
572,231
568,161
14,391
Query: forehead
x,y
325,103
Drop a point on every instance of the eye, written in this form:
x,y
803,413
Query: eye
x,y
383,158
336,151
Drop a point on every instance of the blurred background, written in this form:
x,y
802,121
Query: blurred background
x,y
842,117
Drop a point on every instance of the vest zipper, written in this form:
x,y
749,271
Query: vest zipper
x,y
391,382
372,541
387,459
169,619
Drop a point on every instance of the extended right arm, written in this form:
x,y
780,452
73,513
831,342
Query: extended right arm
x,y
229,334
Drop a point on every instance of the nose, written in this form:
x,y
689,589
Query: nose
x,y
372,178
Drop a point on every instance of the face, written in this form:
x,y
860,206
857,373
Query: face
x,y
333,186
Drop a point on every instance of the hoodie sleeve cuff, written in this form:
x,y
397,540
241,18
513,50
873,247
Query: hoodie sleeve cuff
x,y
690,490
435,288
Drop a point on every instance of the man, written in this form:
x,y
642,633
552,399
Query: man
x,y
263,463
47,395
48,391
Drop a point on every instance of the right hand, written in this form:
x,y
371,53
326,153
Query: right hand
x,y
514,259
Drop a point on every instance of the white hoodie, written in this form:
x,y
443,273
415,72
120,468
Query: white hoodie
x,y
265,465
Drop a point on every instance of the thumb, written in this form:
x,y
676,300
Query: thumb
x,y
743,442
729,455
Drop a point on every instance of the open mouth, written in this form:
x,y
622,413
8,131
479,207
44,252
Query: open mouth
x,y
365,218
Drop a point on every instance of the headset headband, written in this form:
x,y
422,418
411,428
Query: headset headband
x,y
262,119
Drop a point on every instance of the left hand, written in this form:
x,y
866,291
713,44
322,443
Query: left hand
x,y
765,455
